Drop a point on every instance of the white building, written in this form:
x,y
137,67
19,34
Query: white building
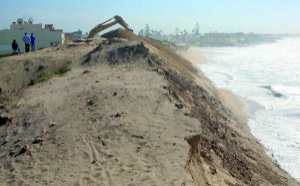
x,y
45,37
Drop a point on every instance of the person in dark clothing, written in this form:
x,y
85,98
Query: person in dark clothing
x,y
15,46
26,40
32,42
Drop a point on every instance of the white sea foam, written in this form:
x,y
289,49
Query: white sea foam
x,y
268,74
289,90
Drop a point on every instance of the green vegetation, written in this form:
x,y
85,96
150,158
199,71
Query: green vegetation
x,y
40,78
65,67
13,100
147,31
15,106
5,54
128,68
90,102
44,75
26,62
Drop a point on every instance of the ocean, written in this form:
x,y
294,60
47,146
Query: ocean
x,y
268,74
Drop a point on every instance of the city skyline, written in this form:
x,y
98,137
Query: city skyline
x,y
268,16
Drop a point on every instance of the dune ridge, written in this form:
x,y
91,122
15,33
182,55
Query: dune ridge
x,y
127,111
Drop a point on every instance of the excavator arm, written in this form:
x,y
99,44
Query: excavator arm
x,y
122,22
103,26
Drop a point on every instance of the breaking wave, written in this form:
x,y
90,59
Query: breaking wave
x,y
269,75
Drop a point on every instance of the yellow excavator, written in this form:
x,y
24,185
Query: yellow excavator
x,y
105,25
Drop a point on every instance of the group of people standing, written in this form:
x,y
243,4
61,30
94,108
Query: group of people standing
x,y
28,40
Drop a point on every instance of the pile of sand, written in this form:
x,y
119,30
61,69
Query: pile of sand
x,y
128,112
121,33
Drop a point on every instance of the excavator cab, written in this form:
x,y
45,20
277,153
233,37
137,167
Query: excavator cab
x,y
105,25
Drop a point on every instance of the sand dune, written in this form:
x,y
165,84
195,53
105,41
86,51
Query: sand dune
x,y
128,112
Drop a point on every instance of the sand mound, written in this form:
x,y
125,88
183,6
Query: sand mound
x,y
121,33
116,51
129,111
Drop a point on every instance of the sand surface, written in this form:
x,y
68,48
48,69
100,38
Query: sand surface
x,y
98,125
128,112
112,141
194,55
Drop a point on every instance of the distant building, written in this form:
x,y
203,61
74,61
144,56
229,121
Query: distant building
x,y
26,26
45,37
85,36
69,36
217,39
77,34
73,35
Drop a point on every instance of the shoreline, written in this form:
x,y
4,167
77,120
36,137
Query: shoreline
x,y
197,58
241,107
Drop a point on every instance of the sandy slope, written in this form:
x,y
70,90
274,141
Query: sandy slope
x,y
130,134
128,113
236,104
194,55
90,144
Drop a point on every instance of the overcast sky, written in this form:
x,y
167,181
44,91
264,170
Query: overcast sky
x,y
260,16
